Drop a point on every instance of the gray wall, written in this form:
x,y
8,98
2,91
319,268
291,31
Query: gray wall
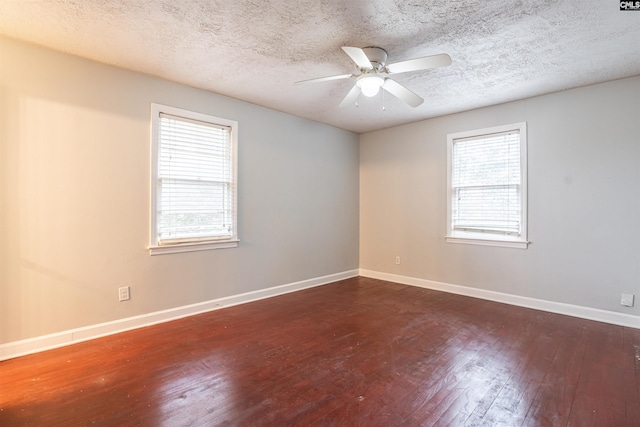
x,y
74,197
584,200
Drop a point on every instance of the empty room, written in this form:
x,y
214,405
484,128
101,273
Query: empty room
x,y
319,213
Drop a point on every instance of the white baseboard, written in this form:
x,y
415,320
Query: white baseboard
x,y
60,339
538,304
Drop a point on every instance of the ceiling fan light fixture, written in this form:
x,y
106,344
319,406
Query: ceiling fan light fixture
x,y
370,84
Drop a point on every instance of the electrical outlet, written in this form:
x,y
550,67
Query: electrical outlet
x,y
627,300
123,293
397,260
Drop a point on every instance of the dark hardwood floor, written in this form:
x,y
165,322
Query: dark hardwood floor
x,y
359,352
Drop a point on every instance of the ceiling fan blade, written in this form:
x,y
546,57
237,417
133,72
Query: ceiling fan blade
x,y
351,97
325,79
358,56
402,93
423,63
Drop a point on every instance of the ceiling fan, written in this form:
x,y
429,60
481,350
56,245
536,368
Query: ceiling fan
x,y
374,74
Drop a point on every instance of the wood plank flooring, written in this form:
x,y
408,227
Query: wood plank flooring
x,y
359,352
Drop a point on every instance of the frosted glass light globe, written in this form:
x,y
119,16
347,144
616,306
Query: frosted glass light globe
x,y
370,85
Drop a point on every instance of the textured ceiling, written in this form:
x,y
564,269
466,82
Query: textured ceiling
x,y
254,50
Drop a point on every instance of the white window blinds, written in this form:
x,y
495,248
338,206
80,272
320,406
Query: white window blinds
x,y
486,184
195,181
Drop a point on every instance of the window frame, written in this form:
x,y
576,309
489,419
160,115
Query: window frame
x,y
488,238
200,243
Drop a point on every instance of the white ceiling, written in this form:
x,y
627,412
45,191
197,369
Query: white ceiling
x,y
254,50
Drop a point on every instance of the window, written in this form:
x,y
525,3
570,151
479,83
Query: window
x,y
193,181
487,186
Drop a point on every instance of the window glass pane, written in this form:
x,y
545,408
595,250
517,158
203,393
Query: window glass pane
x,y
494,208
490,160
194,209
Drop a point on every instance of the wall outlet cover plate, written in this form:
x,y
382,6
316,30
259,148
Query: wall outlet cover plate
x,y
627,300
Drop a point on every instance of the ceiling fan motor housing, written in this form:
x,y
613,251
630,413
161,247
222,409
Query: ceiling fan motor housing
x,y
377,56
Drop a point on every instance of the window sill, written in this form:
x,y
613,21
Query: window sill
x,y
192,247
518,244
